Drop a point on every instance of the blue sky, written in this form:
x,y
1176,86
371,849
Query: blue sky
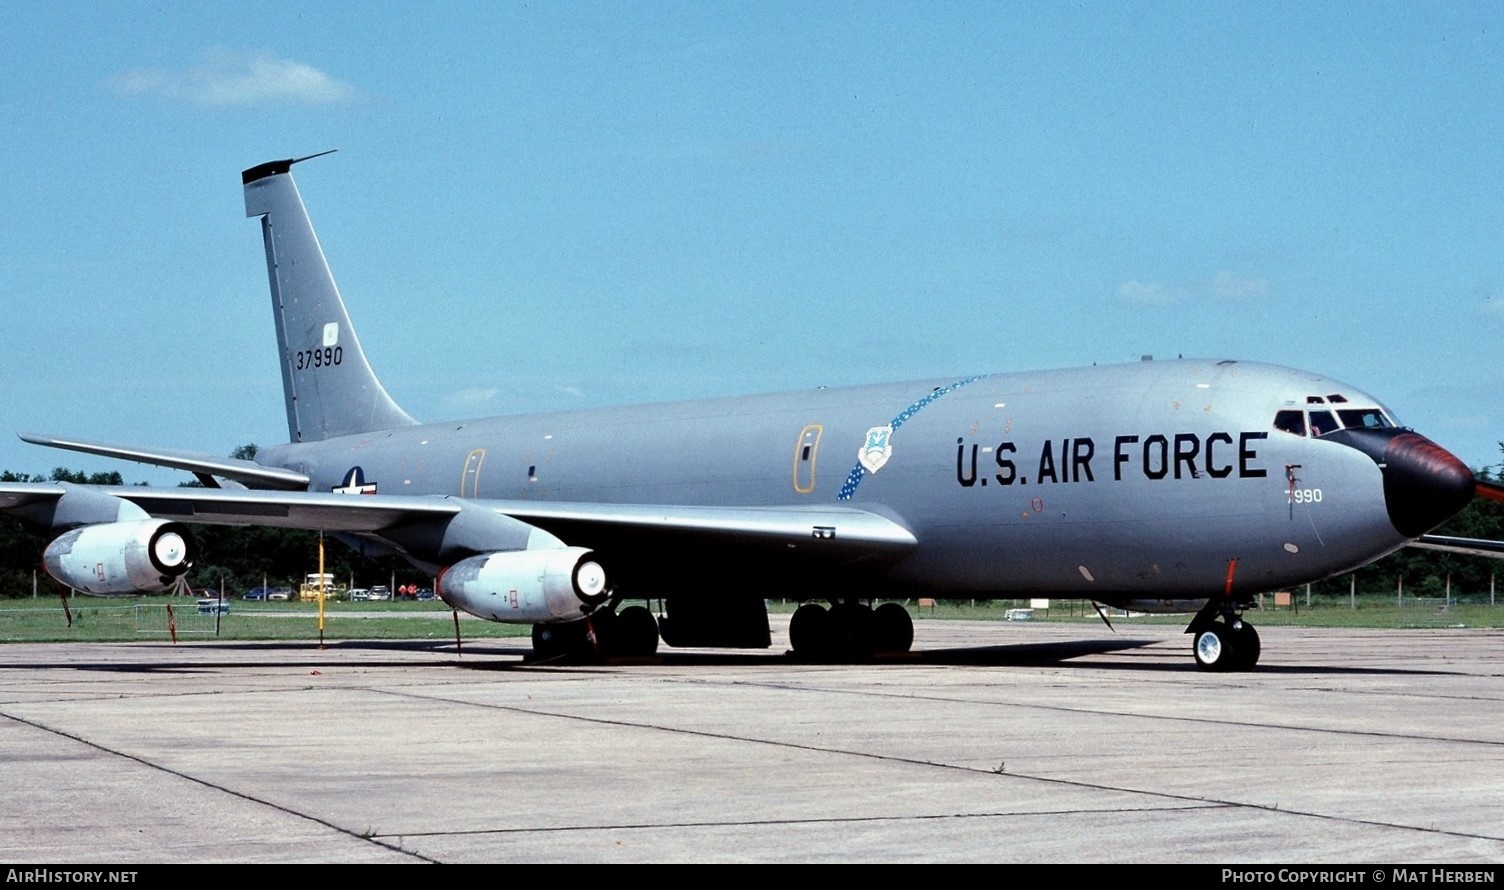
x,y
546,206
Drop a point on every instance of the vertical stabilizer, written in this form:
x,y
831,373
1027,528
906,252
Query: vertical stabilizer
x,y
328,384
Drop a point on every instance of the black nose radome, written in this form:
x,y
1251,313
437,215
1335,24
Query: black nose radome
x,y
1424,484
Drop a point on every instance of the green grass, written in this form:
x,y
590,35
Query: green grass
x,y
1374,611
146,618
116,619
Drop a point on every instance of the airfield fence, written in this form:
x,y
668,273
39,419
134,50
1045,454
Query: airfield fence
x,y
142,620
1374,609
31,621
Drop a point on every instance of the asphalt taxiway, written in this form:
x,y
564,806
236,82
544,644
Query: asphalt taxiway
x,y
992,742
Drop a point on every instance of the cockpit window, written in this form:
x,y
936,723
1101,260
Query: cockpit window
x,y
1291,422
1336,398
1322,422
1364,419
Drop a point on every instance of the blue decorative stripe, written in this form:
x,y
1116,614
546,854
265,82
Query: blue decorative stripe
x,y
854,478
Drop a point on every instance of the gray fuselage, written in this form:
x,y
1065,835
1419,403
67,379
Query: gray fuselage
x,y
1141,480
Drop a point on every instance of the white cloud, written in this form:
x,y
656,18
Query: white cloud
x,y
472,399
1228,286
224,77
1222,286
1150,294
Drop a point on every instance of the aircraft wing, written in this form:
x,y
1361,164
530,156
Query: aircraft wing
x,y
204,466
1469,546
1488,488
304,510
1485,488
846,531
440,528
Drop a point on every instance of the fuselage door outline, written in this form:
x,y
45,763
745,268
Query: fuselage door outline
x,y
470,476
804,458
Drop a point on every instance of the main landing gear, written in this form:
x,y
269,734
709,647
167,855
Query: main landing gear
x,y
850,629
1222,640
629,633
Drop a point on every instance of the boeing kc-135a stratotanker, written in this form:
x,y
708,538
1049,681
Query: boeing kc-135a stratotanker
x,y
1187,485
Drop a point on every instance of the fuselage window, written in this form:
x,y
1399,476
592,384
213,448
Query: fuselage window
x,y
1322,422
1291,422
1364,419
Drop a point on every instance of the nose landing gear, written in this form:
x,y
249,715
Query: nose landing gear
x,y
1225,642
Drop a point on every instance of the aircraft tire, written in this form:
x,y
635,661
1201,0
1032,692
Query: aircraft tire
x,y
851,629
546,641
636,632
892,628
1246,647
809,630
571,640
1214,648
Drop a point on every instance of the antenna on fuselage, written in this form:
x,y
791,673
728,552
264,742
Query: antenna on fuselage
x,y
1103,615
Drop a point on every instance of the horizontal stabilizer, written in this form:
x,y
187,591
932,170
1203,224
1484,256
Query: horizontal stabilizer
x,y
248,473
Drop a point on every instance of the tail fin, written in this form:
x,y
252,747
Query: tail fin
x,y
328,384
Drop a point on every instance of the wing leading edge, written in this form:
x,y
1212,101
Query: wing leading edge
x,y
1469,546
421,526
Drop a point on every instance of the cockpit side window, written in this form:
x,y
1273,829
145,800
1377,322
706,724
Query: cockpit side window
x,y
1291,422
1322,422
1364,418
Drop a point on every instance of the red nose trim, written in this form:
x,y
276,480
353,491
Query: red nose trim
x,y
1424,484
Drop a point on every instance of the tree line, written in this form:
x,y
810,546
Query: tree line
x,y
242,557
1428,573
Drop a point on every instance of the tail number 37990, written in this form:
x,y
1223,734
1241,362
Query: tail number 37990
x,y
318,358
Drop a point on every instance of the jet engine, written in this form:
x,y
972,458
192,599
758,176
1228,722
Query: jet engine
x,y
120,557
527,586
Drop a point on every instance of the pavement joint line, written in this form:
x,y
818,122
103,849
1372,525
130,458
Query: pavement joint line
x,y
1072,783
368,838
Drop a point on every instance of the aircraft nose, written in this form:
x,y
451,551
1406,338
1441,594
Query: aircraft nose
x,y
1424,484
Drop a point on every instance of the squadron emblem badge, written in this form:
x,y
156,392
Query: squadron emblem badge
x,y
877,450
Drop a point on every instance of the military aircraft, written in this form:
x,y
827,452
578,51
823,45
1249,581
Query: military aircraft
x,y
1187,485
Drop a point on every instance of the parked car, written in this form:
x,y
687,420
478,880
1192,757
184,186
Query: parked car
x,y
280,594
210,606
257,594
379,592
425,594
359,594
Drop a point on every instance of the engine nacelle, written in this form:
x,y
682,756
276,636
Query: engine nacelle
x,y
120,557
526,586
